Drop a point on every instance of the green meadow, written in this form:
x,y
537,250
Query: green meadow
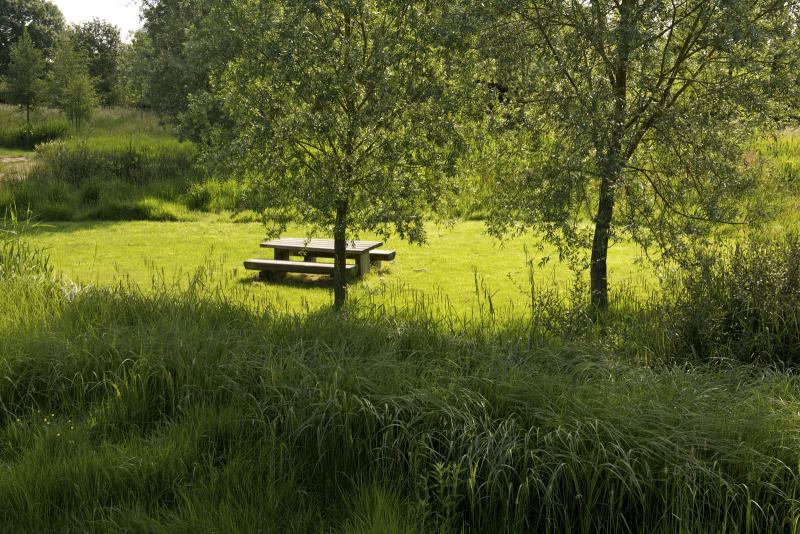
x,y
454,259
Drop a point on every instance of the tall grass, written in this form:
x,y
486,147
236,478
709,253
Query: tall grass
x,y
107,179
741,302
202,410
129,178
25,137
134,160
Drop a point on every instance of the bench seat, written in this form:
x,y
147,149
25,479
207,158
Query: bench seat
x,y
381,255
285,266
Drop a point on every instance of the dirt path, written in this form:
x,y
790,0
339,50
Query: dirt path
x,y
19,159
14,165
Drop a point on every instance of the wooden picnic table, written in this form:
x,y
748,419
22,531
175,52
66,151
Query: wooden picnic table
x,y
312,248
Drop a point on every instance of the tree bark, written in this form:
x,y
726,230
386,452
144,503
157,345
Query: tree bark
x,y
602,233
340,253
612,161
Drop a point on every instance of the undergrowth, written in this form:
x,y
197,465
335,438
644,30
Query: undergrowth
x,y
27,137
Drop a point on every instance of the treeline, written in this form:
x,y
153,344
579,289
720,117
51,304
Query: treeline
x,y
44,61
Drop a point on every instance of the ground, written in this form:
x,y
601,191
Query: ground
x,y
102,252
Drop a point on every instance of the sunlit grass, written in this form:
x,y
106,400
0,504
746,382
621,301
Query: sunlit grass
x,y
101,253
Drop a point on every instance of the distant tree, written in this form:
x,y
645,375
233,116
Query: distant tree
x,y
70,86
67,62
635,114
341,113
136,71
79,99
175,73
188,43
42,19
25,73
100,42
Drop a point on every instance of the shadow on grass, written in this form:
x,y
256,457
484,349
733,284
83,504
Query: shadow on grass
x,y
291,280
35,227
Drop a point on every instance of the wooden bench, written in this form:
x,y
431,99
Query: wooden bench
x,y
378,255
286,266
364,252
375,256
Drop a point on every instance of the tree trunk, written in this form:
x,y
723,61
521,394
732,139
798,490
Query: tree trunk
x,y
612,163
602,233
340,253
28,114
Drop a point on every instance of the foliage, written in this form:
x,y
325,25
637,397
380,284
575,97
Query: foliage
x,y
79,99
67,63
360,119
41,18
25,73
100,42
27,137
743,303
136,71
186,46
638,112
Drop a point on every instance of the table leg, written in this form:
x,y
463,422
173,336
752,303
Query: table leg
x,y
363,264
282,255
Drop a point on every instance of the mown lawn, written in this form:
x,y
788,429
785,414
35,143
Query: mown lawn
x,y
101,253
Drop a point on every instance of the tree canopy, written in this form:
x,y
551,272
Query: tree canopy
x,y
43,20
340,113
100,42
25,74
635,114
136,71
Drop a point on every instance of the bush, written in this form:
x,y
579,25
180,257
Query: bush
x,y
214,195
135,161
742,304
24,137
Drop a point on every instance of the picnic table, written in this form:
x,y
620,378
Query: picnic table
x,y
364,252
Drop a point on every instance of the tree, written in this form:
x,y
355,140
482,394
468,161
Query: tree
x,y
25,72
79,99
67,62
188,43
340,112
636,112
136,71
70,86
100,42
42,19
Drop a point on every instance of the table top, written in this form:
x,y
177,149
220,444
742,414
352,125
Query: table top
x,y
298,244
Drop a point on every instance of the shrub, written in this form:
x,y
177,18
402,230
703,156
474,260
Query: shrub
x,y
214,195
24,137
742,303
